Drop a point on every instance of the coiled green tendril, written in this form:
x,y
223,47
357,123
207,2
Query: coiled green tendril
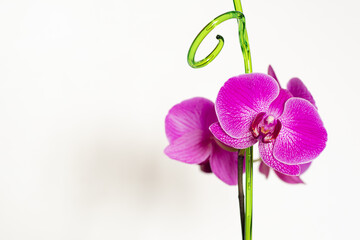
x,y
244,42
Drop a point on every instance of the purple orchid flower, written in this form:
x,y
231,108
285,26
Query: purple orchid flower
x,y
187,129
296,87
253,108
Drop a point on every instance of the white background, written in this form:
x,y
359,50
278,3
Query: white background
x,y
84,90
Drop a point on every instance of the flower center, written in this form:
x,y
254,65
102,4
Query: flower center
x,y
265,127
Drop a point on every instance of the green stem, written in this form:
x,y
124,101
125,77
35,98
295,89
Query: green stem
x,y
249,193
244,40
245,48
237,5
241,191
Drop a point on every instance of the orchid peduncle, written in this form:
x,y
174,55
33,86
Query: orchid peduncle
x,y
244,40
245,48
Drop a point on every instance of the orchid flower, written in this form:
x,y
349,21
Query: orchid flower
x,y
253,108
296,87
187,129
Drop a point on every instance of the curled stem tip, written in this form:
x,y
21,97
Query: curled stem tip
x,y
206,30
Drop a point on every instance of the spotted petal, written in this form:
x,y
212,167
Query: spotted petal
x,y
241,98
243,142
224,165
266,154
302,136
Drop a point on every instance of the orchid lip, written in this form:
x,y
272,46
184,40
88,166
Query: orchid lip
x,y
265,127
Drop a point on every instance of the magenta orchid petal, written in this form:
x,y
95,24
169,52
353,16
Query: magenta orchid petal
x,y
194,113
266,154
192,147
298,89
271,72
304,167
243,142
264,169
277,106
241,98
289,179
224,165
302,136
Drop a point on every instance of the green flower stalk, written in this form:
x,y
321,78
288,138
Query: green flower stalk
x,y
245,47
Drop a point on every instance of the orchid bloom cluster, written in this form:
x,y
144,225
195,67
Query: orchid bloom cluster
x,y
249,109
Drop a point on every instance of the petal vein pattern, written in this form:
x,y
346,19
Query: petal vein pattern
x,y
241,98
303,136
224,165
245,141
266,154
298,89
196,113
192,147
